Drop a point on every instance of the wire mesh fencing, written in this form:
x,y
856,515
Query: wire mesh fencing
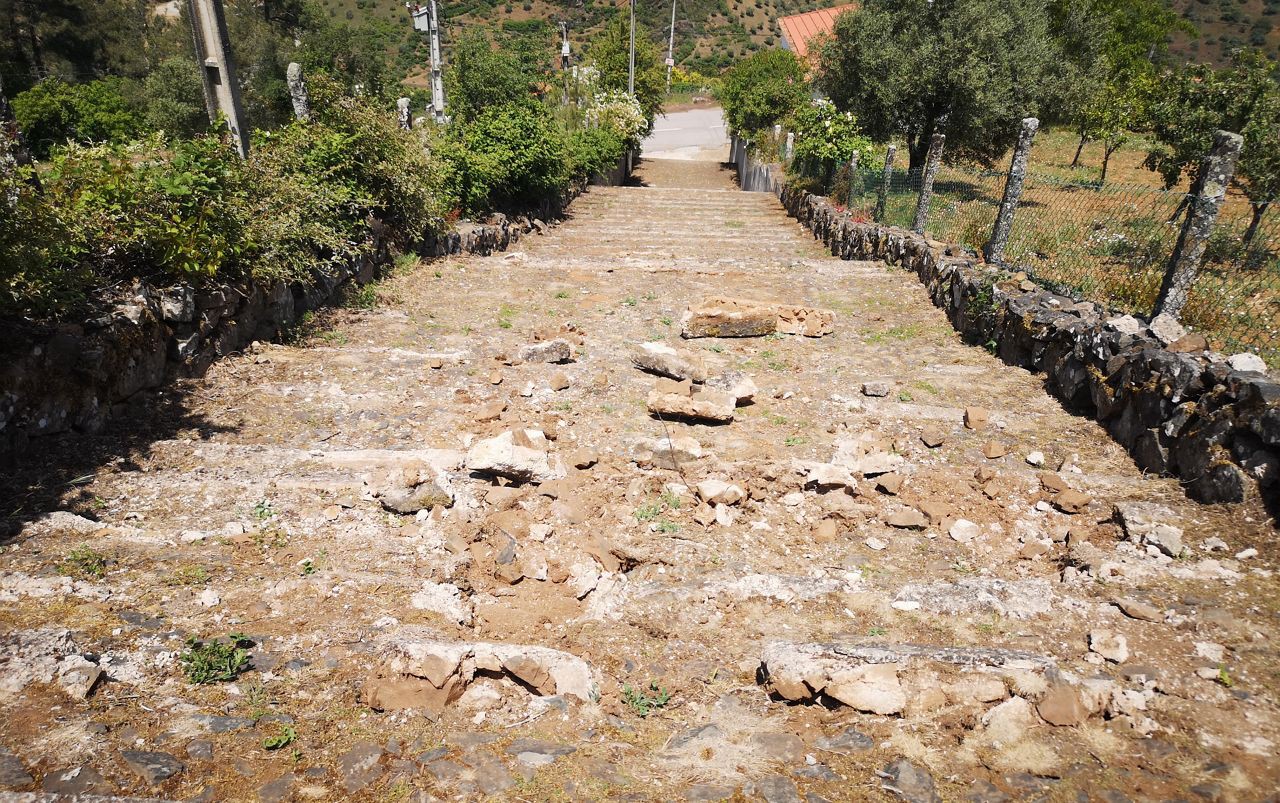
x,y
1106,243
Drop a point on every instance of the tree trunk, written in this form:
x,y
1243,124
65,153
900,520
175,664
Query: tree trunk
x,y
1107,152
1076,161
1258,211
917,152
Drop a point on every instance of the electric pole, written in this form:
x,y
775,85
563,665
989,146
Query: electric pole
x,y
428,19
631,64
218,69
671,45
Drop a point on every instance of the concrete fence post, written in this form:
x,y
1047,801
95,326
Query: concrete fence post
x,y
882,197
853,177
403,116
1012,192
791,146
926,182
298,92
1216,171
218,68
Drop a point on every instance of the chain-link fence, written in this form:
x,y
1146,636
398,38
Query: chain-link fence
x,y
1110,243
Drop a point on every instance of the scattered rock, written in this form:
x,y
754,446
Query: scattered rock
x,y
444,599
277,790
672,453
907,519
736,384
847,741
1062,705
77,676
79,780
1035,459
994,450
407,501
718,492
1125,324
418,671
1190,344
890,483
976,417
807,321
152,766
664,360
1166,329
1071,501
727,317
559,381
774,789
359,766
200,750
683,400
519,454
1246,361
558,350
908,782
876,389
1137,609
1147,523
933,438
584,458
826,476
1009,721
964,531
1110,645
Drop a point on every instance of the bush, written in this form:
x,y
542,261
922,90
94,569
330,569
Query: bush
x,y
54,112
174,96
593,151
509,157
763,90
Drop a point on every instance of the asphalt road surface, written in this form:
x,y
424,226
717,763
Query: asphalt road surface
x,y
698,134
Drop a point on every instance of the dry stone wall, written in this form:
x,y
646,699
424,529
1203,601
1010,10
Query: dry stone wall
x,y
1178,408
78,376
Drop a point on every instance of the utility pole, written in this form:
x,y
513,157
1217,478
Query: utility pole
x,y
428,19
631,63
218,69
671,45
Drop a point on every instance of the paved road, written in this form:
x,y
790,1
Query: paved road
x,y
695,134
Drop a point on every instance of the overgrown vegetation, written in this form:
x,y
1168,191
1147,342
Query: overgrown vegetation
x,y
645,701
131,183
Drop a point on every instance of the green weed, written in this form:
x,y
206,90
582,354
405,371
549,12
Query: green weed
x,y
284,736
189,575
215,661
644,702
84,562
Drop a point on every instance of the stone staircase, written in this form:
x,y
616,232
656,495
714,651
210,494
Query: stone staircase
x,y
607,635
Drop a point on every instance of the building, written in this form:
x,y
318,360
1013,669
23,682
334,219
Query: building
x,y
801,33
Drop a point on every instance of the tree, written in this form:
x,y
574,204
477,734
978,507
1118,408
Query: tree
x,y
609,51
175,98
54,112
481,77
1189,104
763,89
1116,107
903,66
1258,174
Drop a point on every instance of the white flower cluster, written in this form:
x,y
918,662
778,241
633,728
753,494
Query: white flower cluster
x,y
618,111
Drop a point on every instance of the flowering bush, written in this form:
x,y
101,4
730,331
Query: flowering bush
x,y
826,136
620,113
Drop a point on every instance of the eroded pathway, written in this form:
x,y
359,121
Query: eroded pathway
x,y
881,598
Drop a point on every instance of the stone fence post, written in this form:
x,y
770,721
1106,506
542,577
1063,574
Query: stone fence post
x,y
882,197
790,148
1184,263
403,115
298,92
1012,192
853,177
926,182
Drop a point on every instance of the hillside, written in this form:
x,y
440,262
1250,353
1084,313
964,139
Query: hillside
x,y
1228,24
710,34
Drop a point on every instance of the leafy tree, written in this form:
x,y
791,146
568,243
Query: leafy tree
x,y
1116,107
481,77
1188,105
609,53
54,112
826,138
902,66
175,98
763,89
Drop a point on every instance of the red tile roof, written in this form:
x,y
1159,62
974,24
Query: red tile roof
x,y
798,30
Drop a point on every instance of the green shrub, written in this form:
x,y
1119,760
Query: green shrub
x,y
509,157
593,151
762,90
215,661
54,112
